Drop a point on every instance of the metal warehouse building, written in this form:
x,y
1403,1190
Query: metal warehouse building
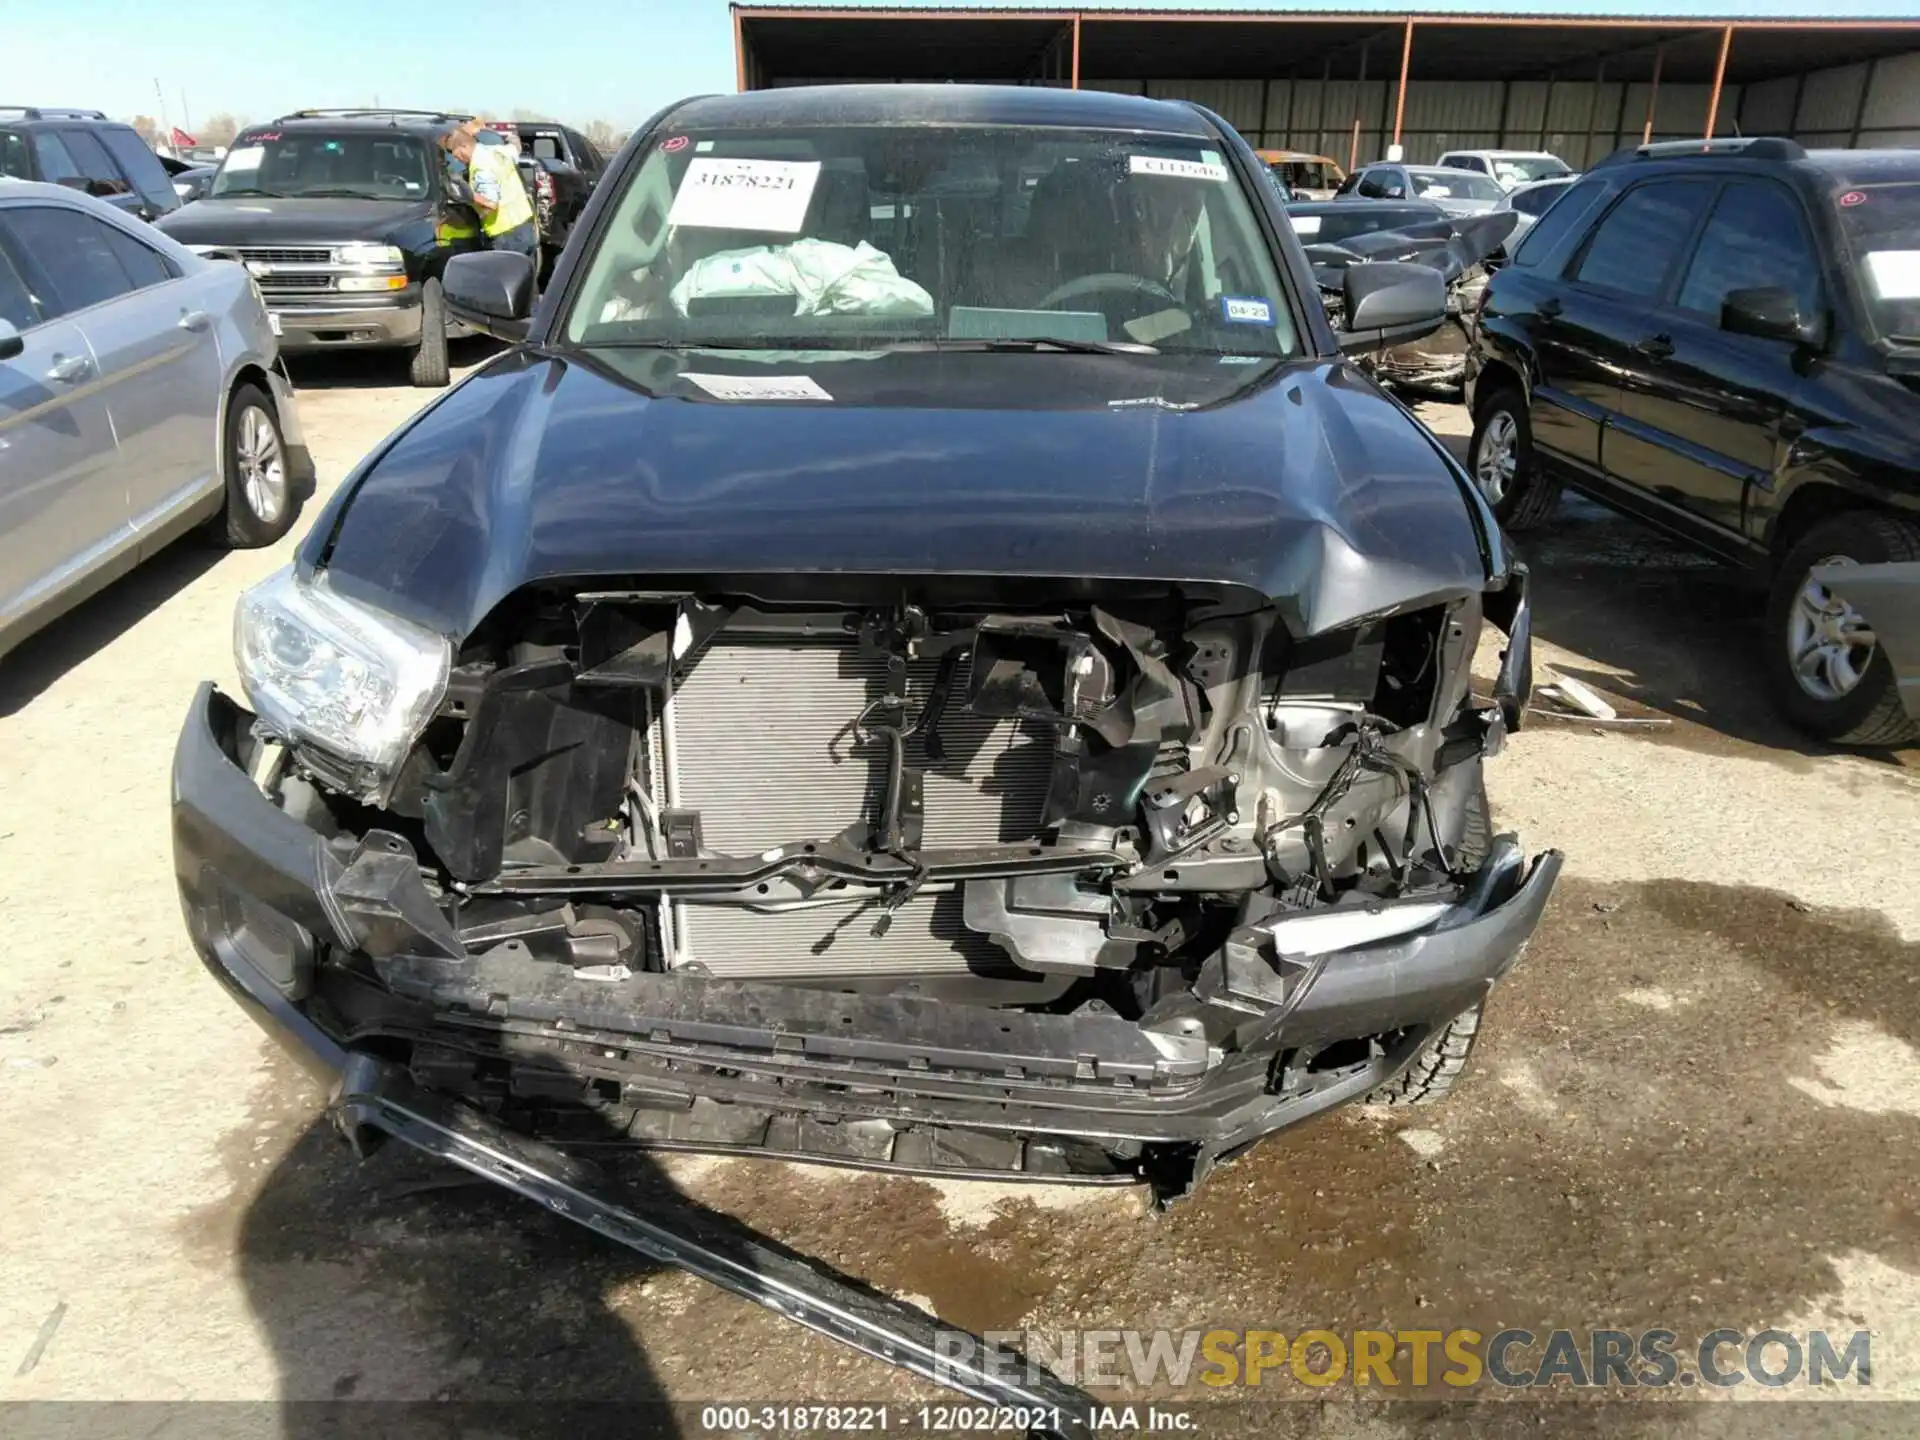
x,y
1351,85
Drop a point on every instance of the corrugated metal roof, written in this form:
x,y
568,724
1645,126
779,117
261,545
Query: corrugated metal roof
x,y
1097,12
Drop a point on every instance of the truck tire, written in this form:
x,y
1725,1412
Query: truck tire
x,y
430,369
1501,460
260,504
1431,1073
1840,692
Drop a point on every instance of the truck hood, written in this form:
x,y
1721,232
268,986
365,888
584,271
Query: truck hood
x,y
1300,480
257,220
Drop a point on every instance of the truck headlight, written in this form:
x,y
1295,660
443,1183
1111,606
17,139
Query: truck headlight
x,y
374,257
350,680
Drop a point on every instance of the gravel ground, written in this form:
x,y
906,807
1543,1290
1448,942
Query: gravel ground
x,y
1696,1103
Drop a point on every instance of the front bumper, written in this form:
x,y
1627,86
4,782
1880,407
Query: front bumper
x,y
1888,596
879,1081
305,327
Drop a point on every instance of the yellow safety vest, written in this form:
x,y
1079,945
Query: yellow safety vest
x,y
514,209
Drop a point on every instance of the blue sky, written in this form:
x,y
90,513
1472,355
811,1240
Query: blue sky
x,y
614,60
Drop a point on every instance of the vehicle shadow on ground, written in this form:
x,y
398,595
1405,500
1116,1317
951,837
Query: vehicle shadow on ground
x,y
378,369
39,661
402,1278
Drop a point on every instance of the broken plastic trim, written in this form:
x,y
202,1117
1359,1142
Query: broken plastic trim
x,y
375,1095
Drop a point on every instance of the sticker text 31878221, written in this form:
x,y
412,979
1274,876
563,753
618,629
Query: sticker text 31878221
x,y
765,195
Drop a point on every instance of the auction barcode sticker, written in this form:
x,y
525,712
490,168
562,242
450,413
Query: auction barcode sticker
x,y
758,387
770,195
1176,169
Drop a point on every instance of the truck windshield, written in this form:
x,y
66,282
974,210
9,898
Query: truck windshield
x,y
370,165
1882,226
1453,185
1513,170
1331,223
877,236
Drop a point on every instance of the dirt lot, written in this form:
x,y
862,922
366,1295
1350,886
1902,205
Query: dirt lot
x,y
1696,1104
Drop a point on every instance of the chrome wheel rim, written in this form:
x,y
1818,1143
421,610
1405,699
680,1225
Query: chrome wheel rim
x,y
1829,643
1498,457
263,466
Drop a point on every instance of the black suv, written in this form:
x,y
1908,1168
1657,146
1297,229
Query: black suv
x,y
346,219
1723,339
85,151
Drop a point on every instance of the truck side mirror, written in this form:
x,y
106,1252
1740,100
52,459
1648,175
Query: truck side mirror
x,y
491,290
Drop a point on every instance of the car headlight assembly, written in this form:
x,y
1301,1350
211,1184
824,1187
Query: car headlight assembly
x,y
365,253
344,678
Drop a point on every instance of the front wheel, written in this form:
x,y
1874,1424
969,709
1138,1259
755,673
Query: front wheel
x,y
1501,460
430,367
260,504
1826,668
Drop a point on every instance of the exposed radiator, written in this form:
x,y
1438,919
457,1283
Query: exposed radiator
x,y
767,755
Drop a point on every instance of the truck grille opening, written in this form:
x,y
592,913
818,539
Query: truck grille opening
x,y
280,255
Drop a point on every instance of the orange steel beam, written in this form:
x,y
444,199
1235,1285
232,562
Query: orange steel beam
x,y
1719,77
739,53
1653,95
1406,59
1076,51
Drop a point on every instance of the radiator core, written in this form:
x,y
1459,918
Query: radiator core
x,y
766,753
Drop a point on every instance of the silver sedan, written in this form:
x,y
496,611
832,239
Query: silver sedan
x,y
141,396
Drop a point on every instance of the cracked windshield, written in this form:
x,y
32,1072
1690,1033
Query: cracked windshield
x,y
890,237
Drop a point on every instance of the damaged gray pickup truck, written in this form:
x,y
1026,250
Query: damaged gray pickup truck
x,y
925,657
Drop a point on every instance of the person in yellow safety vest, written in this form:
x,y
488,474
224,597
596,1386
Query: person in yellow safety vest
x,y
506,214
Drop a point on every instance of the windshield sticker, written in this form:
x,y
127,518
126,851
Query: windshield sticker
x,y
1176,169
247,157
763,195
1246,310
673,143
1894,274
758,387
1438,192
1854,197
1306,224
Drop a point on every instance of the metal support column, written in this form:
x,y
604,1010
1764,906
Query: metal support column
x,y
1353,146
1653,95
1406,60
1719,79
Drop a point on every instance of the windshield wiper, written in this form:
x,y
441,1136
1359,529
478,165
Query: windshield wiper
x,y
228,191
336,192
1030,343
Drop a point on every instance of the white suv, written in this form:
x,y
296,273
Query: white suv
x,y
1508,167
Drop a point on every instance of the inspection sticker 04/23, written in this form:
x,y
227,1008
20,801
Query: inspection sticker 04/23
x,y
1246,310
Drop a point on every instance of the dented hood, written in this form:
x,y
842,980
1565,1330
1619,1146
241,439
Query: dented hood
x,y
1299,480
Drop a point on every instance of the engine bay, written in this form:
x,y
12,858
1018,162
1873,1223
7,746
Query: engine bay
x,y
1017,796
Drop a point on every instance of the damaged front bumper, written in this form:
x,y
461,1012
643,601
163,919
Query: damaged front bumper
x,y
333,948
